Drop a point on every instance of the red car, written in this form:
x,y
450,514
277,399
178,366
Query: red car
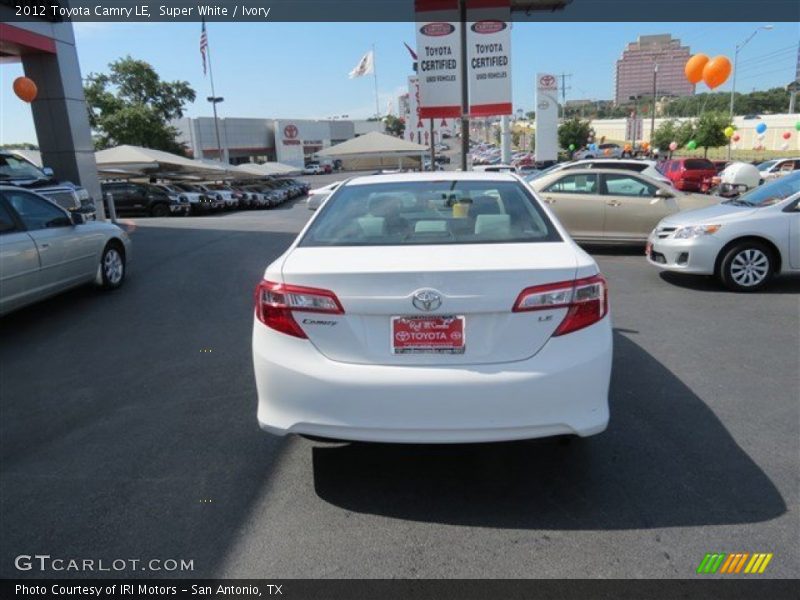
x,y
688,174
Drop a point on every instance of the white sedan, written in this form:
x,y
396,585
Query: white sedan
x,y
744,241
45,249
433,308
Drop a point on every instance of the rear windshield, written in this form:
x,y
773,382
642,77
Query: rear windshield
x,y
430,212
698,164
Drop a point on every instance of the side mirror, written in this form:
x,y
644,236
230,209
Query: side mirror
x,y
78,218
48,171
661,195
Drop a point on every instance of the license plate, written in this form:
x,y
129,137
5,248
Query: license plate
x,y
428,335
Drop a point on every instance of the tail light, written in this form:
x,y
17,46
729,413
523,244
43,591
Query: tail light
x,y
275,303
586,301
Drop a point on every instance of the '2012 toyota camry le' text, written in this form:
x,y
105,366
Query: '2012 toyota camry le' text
x,y
433,308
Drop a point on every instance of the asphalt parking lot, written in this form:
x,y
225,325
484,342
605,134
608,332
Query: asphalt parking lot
x,y
128,430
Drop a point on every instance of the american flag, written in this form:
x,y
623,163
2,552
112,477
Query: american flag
x,y
203,45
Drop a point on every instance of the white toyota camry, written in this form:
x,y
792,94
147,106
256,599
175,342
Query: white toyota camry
x,y
433,308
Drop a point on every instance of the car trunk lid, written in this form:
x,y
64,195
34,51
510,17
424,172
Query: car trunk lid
x,y
479,282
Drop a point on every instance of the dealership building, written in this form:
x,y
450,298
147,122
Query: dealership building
x,y
288,141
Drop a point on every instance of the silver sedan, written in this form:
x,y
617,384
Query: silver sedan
x,y
45,250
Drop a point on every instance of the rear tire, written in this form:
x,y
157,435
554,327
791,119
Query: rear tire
x,y
112,266
747,267
159,210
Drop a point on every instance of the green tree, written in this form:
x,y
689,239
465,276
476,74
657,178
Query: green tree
x,y
395,125
684,133
530,115
710,131
515,137
132,105
664,135
574,131
774,100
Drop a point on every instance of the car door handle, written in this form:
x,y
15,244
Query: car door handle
x,y
549,200
43,246
614,203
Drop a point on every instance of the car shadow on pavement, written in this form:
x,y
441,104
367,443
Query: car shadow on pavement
x,y
129,426
784,284
666,460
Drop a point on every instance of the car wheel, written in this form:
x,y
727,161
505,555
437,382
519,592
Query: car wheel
x,y
747,267
112,266
159,210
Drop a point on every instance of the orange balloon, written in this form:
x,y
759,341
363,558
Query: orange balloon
x,y
716,71
694,68
25,89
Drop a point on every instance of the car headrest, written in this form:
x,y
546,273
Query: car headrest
x,y
494,225
430,227
372,226
484,205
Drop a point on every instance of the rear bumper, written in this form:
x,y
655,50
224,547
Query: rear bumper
x,y
561,390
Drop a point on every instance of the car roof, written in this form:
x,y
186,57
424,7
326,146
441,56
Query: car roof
x,y
589,171
436,176
616,161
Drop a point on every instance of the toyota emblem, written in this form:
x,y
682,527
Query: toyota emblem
x,y
426,300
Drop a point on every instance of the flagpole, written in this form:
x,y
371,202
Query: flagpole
x,y
213,99
375,77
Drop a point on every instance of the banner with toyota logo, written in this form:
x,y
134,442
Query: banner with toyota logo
x,y
439,58
546,117
489,57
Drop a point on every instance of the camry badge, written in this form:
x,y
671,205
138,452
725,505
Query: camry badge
x,y
426,300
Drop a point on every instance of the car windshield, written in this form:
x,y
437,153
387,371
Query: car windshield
x,y
773,192
430,212
13,167
766,165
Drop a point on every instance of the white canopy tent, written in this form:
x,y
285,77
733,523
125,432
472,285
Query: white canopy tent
x,y
263,170
135,160
374,144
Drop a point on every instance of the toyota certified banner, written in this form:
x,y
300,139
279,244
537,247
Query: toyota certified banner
x,y
489,57
546,117
439,58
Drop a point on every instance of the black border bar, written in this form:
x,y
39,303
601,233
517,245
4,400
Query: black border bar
x,y
367,11
733,588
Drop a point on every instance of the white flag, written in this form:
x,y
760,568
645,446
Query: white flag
x,y
364,66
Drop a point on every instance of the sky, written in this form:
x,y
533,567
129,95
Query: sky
x,y
299,70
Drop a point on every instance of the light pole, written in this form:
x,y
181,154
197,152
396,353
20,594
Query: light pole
x,y
735,61
214,101
653,111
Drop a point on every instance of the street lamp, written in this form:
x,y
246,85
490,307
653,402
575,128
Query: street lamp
x,y
735,60
653,112
214,101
